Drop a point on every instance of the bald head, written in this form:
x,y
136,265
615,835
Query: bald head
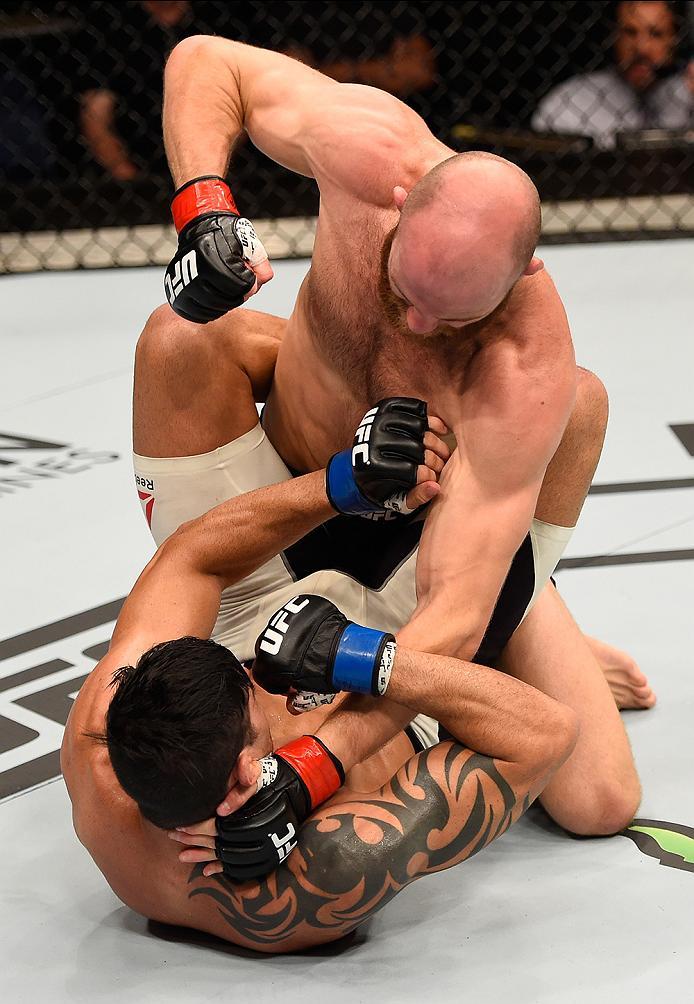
x,y
467,233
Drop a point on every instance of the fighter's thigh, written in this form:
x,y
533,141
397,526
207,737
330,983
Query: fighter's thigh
x,y
196,385
597,790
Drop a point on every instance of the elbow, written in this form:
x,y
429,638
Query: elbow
x,y
195,47
556,737
436,629
185,53
188,47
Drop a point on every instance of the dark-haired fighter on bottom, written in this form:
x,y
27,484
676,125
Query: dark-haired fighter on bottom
x,y
183,723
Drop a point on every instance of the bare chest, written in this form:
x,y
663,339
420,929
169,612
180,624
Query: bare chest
x,y
346,349
373,357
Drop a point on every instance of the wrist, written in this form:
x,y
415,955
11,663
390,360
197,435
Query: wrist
x,y
199,197
342,490
363,661
347,731
321,772
315,497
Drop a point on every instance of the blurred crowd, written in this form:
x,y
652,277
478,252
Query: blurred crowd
x,y
121,130
81,85
642,88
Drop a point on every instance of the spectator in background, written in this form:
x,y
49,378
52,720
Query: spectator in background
x,y
407,67
643,90
120,117
120,107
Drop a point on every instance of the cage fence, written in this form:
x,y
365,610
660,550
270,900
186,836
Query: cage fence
x,y
594,100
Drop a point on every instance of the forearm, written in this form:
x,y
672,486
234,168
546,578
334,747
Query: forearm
x,y
203,107
180,589
237,537
484,709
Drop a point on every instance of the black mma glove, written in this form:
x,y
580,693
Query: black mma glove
x,y
260,835
209,274
309,646
381,468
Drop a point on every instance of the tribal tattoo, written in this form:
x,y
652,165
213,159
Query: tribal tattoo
x,y
352,858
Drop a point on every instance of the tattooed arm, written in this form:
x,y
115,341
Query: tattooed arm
x,y
439,809
353,857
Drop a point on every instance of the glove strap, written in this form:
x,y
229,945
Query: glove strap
x,y
342,490
201,196
363,661
318,768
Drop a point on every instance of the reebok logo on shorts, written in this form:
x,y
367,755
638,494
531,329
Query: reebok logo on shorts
x,y
145,493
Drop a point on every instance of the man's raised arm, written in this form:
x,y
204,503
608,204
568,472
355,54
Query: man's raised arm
x,y
215,89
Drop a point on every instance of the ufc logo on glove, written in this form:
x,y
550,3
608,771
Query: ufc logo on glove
x,y
360,450
274,633
286,844
184,271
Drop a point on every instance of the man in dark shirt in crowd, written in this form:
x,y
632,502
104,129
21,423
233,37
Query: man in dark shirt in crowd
x,y
120,108
120,113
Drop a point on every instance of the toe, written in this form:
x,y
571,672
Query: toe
x,y
635,676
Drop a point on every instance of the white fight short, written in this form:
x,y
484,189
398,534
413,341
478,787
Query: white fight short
x,y
365,568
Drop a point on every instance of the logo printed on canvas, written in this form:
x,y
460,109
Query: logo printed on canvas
x,y
26,461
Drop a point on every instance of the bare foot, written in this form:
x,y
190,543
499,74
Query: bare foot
x,y
629,686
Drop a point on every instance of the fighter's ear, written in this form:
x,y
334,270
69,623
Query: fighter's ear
x,y
399,196
247,766
536,265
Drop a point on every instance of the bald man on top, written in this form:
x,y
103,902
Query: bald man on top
x,y
423,283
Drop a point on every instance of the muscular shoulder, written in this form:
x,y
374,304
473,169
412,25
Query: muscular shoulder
x,y
363,141
537,323
106,821
522,384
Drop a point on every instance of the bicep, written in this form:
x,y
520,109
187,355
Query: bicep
x,y
280,97
467,546
508,430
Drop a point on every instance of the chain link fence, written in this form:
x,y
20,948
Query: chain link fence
x,y
595,100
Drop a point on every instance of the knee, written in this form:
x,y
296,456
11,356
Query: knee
x,y
604,810
164,337
172,353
